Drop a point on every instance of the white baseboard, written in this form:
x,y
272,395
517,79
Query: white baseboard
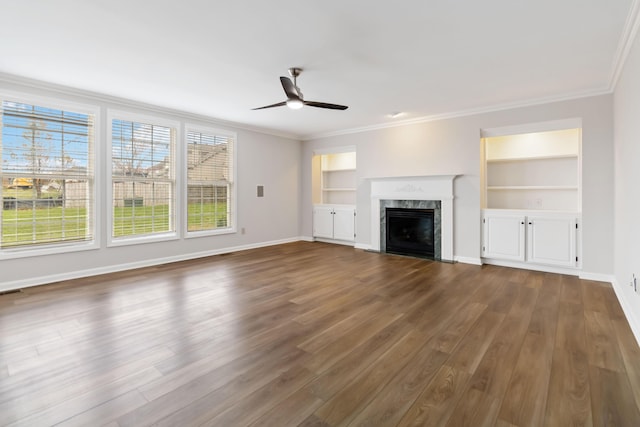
x,y
335,242
306,238
534,267
363,246
35,281
634,322
467,260
598,277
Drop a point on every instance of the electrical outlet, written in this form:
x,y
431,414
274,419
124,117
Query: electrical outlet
x,y
242,230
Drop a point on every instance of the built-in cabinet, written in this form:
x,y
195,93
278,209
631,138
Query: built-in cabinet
x,y
334,195
532,198
504,235
334,222
542,238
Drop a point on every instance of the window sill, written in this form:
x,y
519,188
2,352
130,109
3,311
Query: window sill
x,y
53,249
207,233
138,240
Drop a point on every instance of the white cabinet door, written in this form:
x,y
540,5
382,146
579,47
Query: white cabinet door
x,y
344,224
323,222
504,236
552,240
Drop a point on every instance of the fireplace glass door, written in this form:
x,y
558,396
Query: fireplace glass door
x,y
410,231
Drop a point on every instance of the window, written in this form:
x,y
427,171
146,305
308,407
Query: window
x,y
210,181
47,175
143,179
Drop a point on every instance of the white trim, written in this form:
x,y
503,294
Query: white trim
x,y
175,126
634,322
306,238
334,150
362,246
42,280
50,102
207,233
95,147
552,125
126,103
52,249
468,260
132,116
596,277
625,43
462,113
334,241
186,116
530,266
183,181
140,239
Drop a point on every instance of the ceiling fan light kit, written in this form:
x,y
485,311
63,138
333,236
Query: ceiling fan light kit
x,y
295,99
294,104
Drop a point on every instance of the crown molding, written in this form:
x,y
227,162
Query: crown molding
x,y
627,38
462,113
89,96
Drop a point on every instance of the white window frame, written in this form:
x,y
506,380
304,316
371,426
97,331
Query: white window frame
x,y
94,217
189,127
113,114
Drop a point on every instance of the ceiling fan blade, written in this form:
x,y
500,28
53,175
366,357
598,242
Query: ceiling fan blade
x,y
279,104
289,88
325,105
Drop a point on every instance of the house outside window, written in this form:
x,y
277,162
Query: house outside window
x,y
143,178
210,165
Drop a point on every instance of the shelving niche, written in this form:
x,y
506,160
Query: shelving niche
x,y
534,171
338,178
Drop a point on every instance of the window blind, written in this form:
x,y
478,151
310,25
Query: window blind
x,y
143,179
209,181
47,175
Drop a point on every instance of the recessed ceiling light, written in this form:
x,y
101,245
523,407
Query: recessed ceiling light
x,y
396,114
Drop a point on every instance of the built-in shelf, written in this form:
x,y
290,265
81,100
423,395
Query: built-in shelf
x,y
337,178
339,170
539,171
526,159
532,187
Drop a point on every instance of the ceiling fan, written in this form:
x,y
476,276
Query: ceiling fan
x,y
295,99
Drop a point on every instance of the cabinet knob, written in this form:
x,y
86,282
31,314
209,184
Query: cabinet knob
x,y
530,223
522,223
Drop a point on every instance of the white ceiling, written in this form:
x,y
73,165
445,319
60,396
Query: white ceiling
x,y
222,58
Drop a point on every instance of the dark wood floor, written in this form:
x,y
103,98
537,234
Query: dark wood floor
x,y
315,334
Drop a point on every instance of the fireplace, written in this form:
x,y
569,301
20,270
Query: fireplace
x,y
418,192
410,231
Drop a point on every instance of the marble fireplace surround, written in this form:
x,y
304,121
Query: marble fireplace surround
x,y
415,188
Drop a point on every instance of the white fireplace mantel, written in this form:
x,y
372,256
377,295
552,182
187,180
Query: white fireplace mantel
x,y
430,187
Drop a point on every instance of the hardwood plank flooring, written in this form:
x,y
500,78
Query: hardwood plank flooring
x,y
313,334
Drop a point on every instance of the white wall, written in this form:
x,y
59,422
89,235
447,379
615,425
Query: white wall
x,y
452,146
262,159
627,185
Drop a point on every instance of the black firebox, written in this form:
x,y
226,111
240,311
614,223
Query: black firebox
x,y
410,231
